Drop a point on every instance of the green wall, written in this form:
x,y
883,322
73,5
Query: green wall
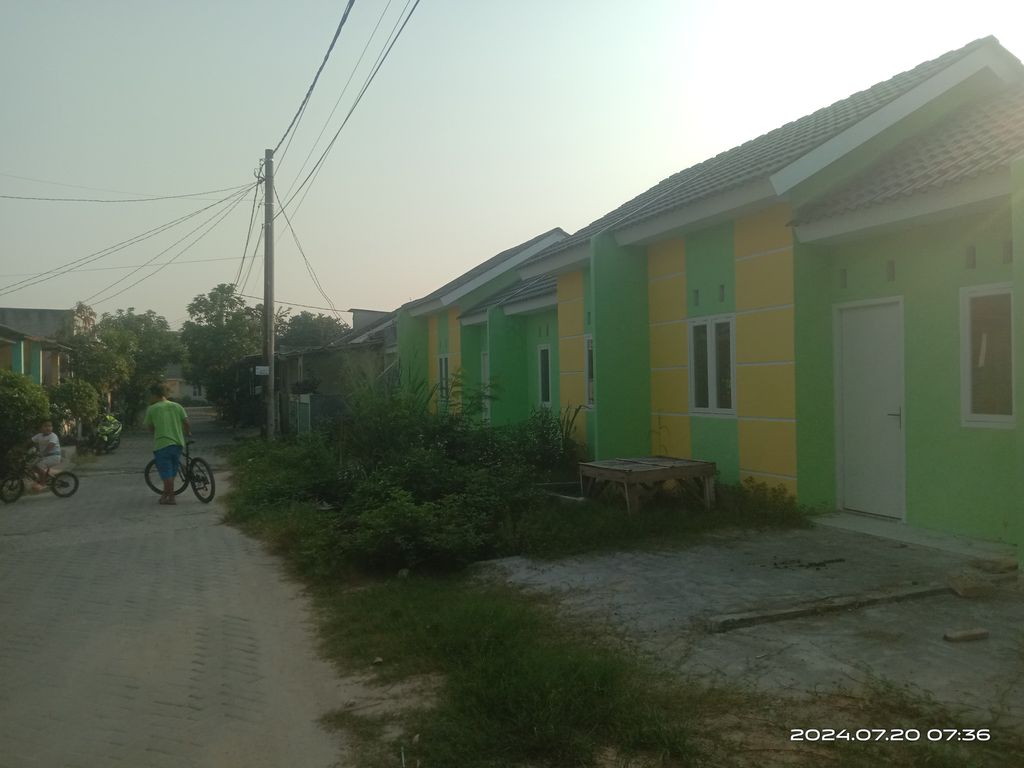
x,y
507,345
1017,228
710,269
958,478
412,350
716,438
472,345
621,421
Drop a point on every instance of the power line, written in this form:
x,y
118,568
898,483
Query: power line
x,y
252,260
130,266
248,234
373,74
309,267
341,95
209,229
76,264
289,303
125,200
309,92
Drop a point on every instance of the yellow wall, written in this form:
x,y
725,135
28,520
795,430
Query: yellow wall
x,y
765,384
454,342
572,388
666,295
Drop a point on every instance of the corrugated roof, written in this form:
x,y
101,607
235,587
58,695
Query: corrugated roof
x,y
763,156
978,138
521,291
483,267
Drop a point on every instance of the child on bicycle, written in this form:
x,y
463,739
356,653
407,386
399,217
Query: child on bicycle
x,y
47,446
169,424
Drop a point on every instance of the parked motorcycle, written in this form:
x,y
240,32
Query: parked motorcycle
x,y
108,433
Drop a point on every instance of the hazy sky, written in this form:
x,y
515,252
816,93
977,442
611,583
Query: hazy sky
x,y
490,123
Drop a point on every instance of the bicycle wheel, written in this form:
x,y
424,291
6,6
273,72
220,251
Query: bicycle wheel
x,y
201,479
64,484
11,489
156,484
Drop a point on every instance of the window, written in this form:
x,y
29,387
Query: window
x,y
442,381
986,341
712,365
544,373
588,368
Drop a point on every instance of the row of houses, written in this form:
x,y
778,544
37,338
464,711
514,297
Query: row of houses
x,y
28,342
829,307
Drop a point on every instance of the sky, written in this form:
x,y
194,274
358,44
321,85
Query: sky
x,y
489,123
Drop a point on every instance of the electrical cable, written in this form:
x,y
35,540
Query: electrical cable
x,y
309,267
309,91
223,215
288,303
130,266
81,261
248,235
252,260
125,200
362,92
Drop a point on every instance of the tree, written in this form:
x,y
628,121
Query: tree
x,y
221,331
23,405
308,330
77,398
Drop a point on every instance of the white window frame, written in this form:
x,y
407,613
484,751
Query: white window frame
x,y
540,375
983,420
588,373
444,392
710,321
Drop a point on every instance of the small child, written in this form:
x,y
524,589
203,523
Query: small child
x,y
47,449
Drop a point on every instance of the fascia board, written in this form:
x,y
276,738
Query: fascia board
x,y
702,212
475,319
498,270
563,261
535,304
427,308
964,195
820,158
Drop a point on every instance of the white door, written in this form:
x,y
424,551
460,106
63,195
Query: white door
x,y
869,357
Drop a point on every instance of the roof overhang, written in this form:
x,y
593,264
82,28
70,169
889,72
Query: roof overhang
x,y
975,194
997,60
512,262
477,318
701,213
534,304
558,263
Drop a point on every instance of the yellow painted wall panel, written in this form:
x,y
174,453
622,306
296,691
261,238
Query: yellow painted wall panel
x,y
667,299
570,286
786,482
768,446
765,337
768,391
765,281
454,341
570,318
670,391
763,231
669,345
666,258
670,436
570,355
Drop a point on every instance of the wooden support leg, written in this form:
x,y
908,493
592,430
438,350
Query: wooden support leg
x,y
709,493
632,497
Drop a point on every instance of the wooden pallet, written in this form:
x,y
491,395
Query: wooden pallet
x,y
641,474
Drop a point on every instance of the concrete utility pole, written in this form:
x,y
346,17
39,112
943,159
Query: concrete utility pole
x,y
268,290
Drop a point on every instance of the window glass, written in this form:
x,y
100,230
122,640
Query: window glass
x,y
991,355
545,375
700,366
723,364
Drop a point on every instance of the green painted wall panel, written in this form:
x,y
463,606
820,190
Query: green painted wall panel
x,y
621,421
470,352
442,335
710,272
718,440
18,357
1017,229
412,350
507,347
35,351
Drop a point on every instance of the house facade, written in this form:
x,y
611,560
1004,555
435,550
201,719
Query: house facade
x,y
833,307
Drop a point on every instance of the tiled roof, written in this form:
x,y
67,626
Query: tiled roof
x,y
483,267
522,291
763,156
977,139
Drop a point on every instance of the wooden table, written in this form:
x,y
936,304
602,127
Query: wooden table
x,y
637,475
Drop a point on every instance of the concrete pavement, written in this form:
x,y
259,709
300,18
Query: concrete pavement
x,y
133,634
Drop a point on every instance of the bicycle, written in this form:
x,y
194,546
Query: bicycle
x,y
62,484
192,471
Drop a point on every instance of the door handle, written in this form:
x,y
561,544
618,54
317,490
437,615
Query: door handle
x,y
898,415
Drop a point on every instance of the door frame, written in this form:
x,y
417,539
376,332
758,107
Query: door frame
x,y
837,393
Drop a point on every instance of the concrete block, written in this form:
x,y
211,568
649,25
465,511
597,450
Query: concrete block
x,y
965,635
967,584
1006,564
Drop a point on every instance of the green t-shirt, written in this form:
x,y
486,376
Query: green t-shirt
x,y
167,419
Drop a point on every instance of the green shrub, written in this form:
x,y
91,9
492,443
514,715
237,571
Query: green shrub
x,y
74,400
23,405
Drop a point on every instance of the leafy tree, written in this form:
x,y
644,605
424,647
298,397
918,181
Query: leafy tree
x,y
23,404
76,397
308,330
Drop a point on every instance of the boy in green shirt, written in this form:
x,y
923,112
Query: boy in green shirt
x,y
169,424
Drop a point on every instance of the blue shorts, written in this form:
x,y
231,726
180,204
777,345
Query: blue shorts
x,y
167,459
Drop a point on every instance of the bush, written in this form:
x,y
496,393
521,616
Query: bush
x,y
23,405
74,398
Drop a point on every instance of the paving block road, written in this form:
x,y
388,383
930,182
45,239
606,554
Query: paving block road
x,y
134,634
